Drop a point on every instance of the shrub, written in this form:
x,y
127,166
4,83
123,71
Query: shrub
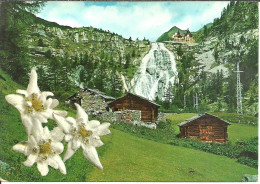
x,y
248,161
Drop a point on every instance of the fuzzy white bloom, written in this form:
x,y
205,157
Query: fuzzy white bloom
x,y
34,107
82,133
43,148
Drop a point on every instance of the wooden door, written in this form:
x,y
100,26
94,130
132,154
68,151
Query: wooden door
x,y
206,133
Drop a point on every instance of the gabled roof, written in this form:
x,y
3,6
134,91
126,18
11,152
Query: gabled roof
x,y
199,116
94,91
100,93
135,96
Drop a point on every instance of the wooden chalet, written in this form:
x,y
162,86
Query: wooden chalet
x,y
149,109
205,127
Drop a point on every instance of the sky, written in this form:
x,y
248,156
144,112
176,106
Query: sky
x,y
134,19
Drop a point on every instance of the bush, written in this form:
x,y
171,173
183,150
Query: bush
x,y
163,133
236,118
248,161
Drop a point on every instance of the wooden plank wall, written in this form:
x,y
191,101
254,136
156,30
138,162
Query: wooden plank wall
x,y
149,112
194,129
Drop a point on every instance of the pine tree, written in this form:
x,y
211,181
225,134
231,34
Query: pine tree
x,y
13,23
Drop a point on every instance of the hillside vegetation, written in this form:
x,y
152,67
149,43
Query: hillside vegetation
x,y
208,69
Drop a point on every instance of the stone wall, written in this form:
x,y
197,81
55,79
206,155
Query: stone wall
x,y
132,117
161,117
127,116
93,104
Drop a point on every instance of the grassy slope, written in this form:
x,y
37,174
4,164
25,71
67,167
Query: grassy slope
x,y
124,157
236,131
129,158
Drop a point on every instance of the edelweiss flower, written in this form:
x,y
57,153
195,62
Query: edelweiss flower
x,y
82,133
35,107
44,149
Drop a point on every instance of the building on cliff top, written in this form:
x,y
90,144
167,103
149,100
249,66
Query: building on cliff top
x,y
185,38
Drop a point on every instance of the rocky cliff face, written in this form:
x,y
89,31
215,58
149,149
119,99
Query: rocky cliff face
x,y
86,50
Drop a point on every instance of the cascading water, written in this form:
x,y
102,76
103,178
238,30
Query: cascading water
x,y
156,72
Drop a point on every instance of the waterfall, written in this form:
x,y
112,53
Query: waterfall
x,y
156,72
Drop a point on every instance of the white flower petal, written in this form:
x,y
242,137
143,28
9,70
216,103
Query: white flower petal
x,y
71,120
14,99
54,104
61,164
68,137
43,168
47,113
20,108
21,147
27,123
46,132
30,160
60,113
28,103
44,95
62,123
95,141
102,129
79,121
22,92
48,103
92,124
81,113
52,163
40,117
32,86
75,143
57,147
57,134
69,152
32,141
37,131
91,154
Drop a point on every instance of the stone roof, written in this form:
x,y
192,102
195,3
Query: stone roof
x,y
199,116
100,93
94,91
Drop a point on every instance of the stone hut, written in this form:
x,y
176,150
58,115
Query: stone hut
x,y
92,101
206,128
149,109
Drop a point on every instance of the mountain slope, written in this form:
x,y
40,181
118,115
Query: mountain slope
x,y
72,58
208,67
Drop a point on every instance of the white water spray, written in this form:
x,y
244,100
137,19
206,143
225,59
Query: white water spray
x,y
156,72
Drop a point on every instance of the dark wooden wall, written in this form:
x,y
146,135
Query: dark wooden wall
x,y
205,129
149,112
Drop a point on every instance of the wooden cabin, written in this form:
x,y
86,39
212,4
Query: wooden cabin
x,y
149,109
205,127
